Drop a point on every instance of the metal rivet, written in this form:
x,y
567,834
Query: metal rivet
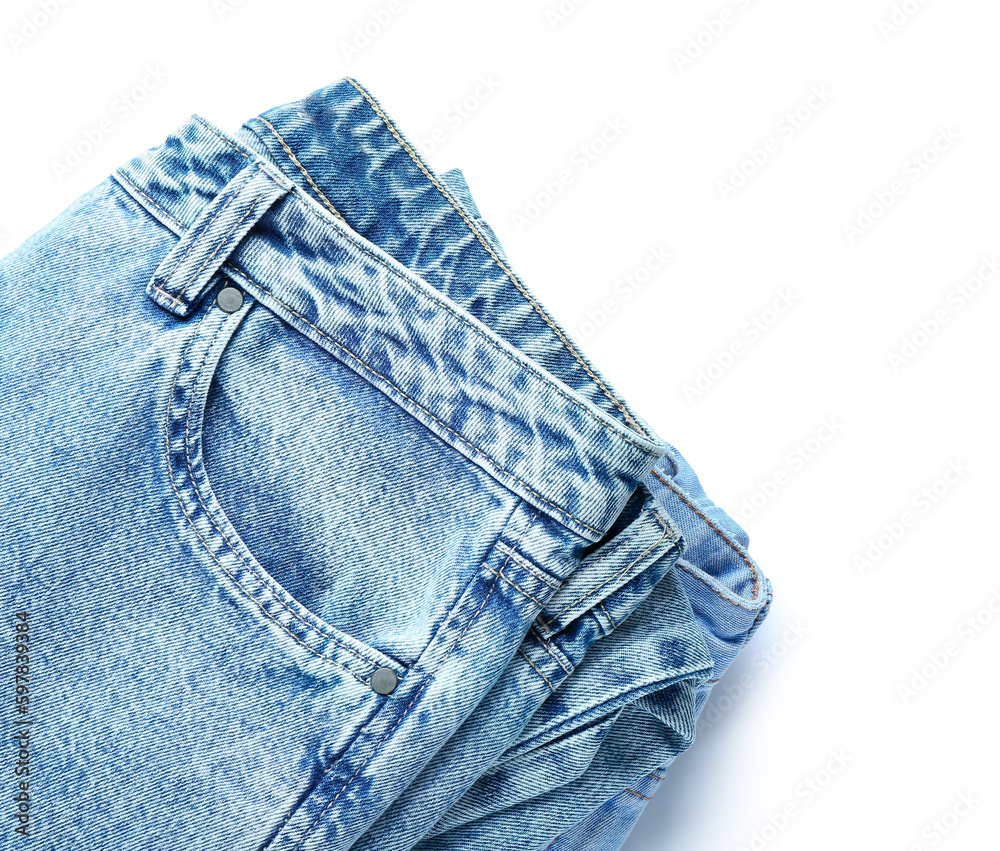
x,y
384,681
229,299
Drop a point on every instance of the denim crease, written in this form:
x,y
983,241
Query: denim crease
x,y
232,514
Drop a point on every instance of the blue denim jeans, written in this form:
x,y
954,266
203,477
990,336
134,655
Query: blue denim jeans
x,y
594,778
297,461
281,500
429,223
605,762
730,598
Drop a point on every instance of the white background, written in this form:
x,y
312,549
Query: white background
x,y
823,676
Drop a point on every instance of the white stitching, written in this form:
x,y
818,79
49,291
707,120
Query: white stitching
x,y
537,669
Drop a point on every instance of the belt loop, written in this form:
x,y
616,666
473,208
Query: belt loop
x,y
616,577
220,227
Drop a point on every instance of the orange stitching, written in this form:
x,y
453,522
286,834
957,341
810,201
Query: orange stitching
x,y
496,258
511,582
222,136
291,155
633,792
714,528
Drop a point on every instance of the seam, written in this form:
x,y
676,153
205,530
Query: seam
x,y
434,296
549,733
511,582
633,792
548,649
628,567
478,331
536,668
295,160
528,566
357,771
194,238
208,547
232,265
715,591
656,777
218,248
607,615
731,544
180,501
472,620
496,258
406,711
416,404
222,136
120,174
211,518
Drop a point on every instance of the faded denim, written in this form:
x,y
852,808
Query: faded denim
x,y
239,519
386,469
730,598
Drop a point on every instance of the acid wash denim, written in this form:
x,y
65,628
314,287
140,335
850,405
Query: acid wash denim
x,y
730,598
280,505
645,683
590,772
356,160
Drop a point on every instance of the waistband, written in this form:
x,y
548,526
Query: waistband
x,y
505,387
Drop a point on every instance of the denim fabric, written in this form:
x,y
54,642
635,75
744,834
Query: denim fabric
x,y
553,669
356,161
433,239
730,598
283,500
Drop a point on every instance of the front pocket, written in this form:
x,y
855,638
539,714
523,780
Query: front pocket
x,y
235,563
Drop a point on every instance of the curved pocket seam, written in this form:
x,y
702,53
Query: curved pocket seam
x,y
232,322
